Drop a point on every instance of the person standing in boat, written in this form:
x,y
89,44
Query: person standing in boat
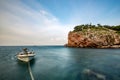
x,y
25,50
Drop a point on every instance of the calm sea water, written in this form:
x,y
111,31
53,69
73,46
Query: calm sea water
x,y
61,63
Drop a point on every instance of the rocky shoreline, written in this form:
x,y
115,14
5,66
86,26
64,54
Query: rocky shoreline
x,y
94,38
101,47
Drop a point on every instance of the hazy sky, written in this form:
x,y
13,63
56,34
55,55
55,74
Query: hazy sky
x,y
47,22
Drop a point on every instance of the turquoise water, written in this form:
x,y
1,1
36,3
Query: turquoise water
x,y
61,63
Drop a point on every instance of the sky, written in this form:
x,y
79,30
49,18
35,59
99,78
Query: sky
x,y
47,22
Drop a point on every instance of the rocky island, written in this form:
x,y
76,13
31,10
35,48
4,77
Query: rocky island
x,y
94,36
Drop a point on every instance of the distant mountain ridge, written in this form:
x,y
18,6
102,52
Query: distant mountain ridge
x,y
91,36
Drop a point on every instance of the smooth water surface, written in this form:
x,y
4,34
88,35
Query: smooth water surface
x,y
61,63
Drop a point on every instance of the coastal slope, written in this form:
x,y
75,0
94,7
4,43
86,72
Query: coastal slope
x,y
94,37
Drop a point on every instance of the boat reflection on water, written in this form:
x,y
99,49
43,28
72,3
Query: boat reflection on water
x,y
32,62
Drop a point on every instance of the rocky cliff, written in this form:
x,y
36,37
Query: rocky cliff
x,y
94,38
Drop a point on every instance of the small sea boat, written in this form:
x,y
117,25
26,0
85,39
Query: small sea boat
x,y
25,55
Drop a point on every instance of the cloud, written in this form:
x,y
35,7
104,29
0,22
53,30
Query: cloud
x,y
21,24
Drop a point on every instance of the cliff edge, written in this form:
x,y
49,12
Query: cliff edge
x,y
94,37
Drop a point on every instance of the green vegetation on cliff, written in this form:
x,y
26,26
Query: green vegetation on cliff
x,y
96,27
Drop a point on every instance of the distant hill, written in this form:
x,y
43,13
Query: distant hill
x,y
92,36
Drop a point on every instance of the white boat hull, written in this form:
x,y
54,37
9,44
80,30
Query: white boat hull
x,y
26,59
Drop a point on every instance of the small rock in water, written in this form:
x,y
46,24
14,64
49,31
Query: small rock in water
x,y
94,74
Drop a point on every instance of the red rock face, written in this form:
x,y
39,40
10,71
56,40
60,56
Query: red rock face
x,y
93,40
78,40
